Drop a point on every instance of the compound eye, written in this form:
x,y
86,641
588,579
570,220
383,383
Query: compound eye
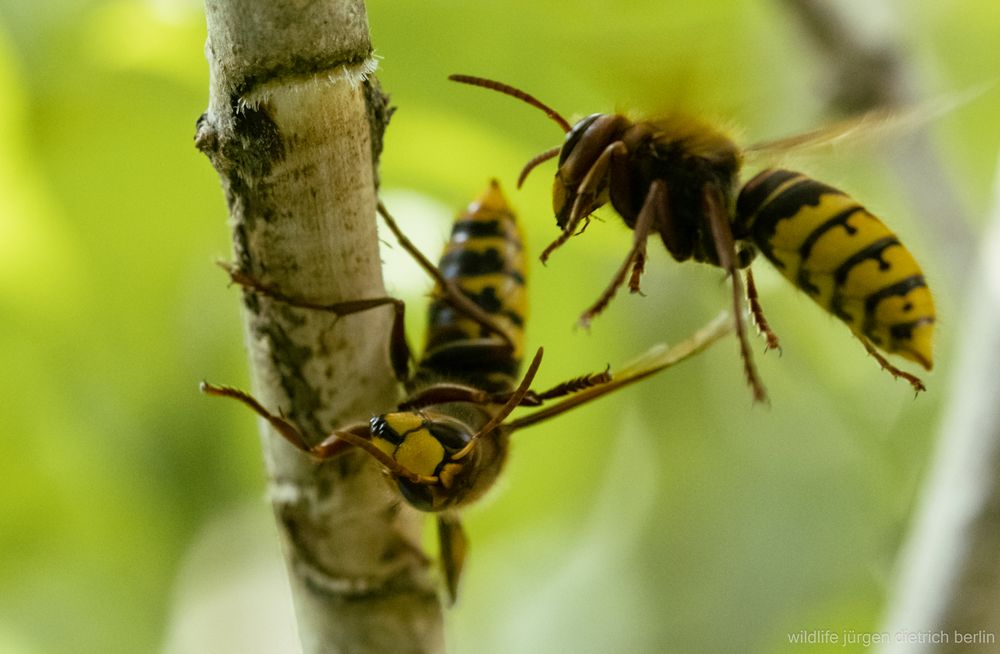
x,y
574,135
419,496
453,436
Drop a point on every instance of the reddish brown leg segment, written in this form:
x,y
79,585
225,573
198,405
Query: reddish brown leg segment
x,y
571,386
757,312
726,250
656,201
913,380
638,268
287,430
399,349
330,447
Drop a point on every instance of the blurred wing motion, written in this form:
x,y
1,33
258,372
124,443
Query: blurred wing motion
x,y
873,124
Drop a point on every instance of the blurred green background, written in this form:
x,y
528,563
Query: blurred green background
x,y
673,517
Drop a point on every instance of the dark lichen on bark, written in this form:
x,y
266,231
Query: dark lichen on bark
x,y
379,114
295,130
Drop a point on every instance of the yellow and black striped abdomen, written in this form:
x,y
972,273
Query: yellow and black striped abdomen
x,y
843,257
485,258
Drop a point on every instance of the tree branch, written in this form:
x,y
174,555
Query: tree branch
x,y
294,128
949,579
949,583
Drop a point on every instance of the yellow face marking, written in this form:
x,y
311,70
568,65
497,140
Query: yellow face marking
x,y
403,421
448,472
400,422
384,445
420,452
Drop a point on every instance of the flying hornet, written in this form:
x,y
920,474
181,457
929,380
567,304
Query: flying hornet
x,y
679,177
447,441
